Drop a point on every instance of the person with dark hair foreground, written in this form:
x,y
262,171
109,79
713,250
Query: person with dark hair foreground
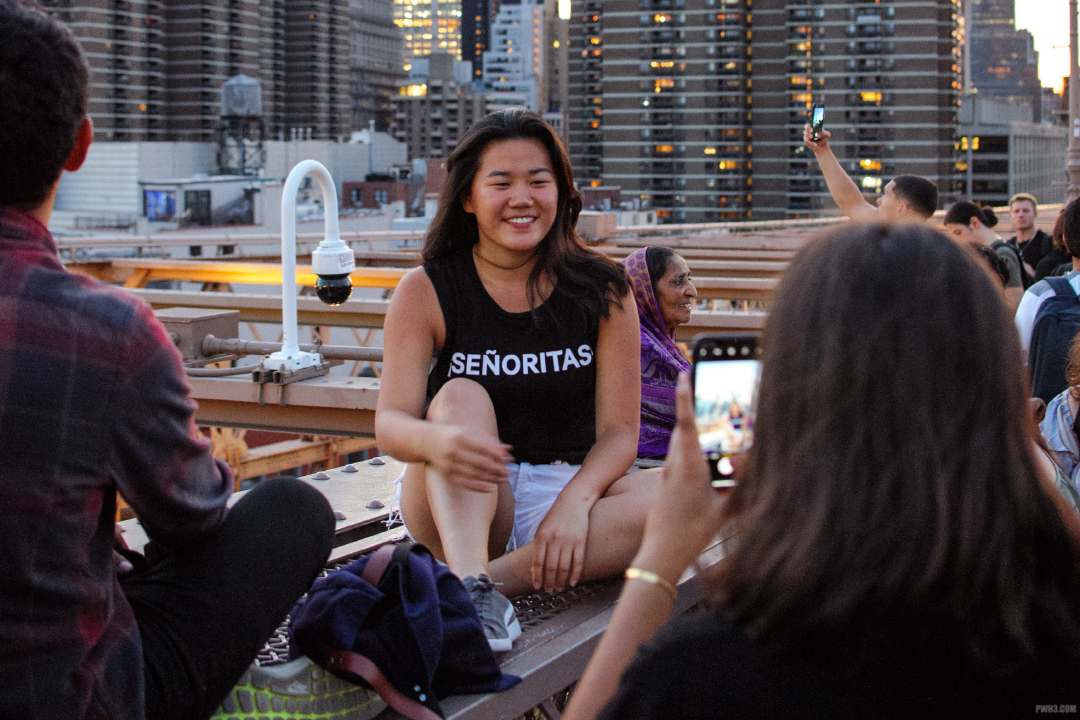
x,y
519,436
665,298
968,224
892,548
93,401
906,198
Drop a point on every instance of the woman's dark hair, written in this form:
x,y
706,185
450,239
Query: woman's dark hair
x,y
963,211
43,96
657,260
993,260
1070,227
589,277
990,215
891,503
1057,235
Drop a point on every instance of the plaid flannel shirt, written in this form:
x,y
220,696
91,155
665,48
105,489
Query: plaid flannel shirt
x,y
92,400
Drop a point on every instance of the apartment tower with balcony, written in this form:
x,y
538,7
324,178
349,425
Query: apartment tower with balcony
x,y
156,68
696,107
888,75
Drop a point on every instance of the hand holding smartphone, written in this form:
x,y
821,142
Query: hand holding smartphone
x,y
817,121
727,372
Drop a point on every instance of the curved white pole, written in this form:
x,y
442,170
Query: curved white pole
x,y
289,346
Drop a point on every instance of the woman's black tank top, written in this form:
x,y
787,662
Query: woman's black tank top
x,y
540,372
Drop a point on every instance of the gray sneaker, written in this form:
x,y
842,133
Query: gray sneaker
x,y
295,690
496,613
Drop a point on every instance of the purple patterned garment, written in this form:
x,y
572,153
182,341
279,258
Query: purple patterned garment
x,y
661,363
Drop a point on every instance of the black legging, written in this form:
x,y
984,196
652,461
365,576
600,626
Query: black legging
x,y
204,612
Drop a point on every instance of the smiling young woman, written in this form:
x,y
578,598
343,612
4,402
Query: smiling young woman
x,y
519,436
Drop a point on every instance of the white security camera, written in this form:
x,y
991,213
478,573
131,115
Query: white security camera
x,y
332,261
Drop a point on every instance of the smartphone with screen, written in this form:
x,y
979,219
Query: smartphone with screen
x,y
727,372
817,121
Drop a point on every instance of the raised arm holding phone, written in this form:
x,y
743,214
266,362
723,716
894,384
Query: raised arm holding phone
x,y
906,198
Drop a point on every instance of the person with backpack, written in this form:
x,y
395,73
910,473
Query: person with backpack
x,y
968,224
1048,317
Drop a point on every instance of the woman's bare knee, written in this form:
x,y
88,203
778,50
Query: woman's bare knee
x,y
462,402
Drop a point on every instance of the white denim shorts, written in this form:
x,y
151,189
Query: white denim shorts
x,y
535,488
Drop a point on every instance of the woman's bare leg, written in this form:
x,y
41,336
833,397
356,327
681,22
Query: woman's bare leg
x,y
616,524
461,527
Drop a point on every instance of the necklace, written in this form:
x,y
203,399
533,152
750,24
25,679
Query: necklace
x,y
476,254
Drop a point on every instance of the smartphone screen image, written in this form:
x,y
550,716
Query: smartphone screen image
x,y
817,121
727,373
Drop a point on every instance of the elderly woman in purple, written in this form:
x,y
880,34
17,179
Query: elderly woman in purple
x,y
665,297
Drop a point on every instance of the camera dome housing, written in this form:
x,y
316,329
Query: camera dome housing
x,y
334,289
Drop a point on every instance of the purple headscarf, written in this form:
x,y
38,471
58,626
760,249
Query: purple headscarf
x,y
661,362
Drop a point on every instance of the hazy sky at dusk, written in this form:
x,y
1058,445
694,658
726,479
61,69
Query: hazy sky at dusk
x,y
1048,22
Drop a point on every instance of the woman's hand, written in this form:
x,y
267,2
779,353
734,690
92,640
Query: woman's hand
x,y
685,515
559,544
470,459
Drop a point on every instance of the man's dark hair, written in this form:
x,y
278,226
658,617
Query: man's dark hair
x,y
920,193
962,212
1071,215
43,94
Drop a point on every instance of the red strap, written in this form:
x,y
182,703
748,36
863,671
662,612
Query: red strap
x,y
362,667
376,565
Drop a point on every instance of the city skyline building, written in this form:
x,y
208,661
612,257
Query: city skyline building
x,y
429,27
696,107
157,69
888,76
432,114
1003,60
476,19
376,50
1003,153
513,66
658,104
317,68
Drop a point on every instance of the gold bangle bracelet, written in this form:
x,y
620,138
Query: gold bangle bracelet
x,y
653,579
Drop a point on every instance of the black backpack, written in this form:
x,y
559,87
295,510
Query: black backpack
x,y
1025,276
1056,324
